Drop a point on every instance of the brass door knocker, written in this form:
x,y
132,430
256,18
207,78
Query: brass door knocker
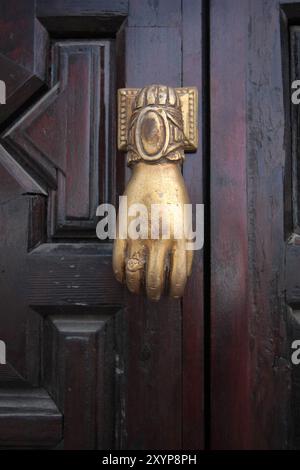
x,y
156,125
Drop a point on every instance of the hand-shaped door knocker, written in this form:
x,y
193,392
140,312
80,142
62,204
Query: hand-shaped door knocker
x,y
156,125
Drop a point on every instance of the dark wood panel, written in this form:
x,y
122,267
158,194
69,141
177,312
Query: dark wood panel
x,y
13,241
17,37
9,375
294,423
267,153
33,347
91,350
194,49
154,13
293,302
147,45
37,222
250,358
72,274
21,62
20,174
33,410
92,18
21,85
65,137
120,80
292,275
230,380
153,372
294,53
77,7
153,336
61,142
78,370
10,188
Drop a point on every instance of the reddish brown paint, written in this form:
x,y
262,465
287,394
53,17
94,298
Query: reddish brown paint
x,y
141,353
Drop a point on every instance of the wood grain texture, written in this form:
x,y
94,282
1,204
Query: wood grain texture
x,y
153,366
71,274
92,18
193,326
78,370
20,174
32,410
77,7
57,279
294,335
291,17
17,37
64,138
123,364
294,182
13,240
153,375
22,65
267,154
250,364
154,14
230,379
164,41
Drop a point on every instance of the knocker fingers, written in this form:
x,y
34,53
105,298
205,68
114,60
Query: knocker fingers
x,y
118,262
135,262
156,268
178,274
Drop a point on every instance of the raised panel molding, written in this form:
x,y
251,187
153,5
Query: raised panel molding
x,y
67,274
63,138
60,94
293,315
78,371
22,59
31,409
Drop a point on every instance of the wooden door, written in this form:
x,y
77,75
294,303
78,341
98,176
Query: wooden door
x,y
254,191
88,365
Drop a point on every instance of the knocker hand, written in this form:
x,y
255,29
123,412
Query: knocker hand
x,y
162,262
156,124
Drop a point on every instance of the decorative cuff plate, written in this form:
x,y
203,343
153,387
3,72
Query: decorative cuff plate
x,y
188,99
